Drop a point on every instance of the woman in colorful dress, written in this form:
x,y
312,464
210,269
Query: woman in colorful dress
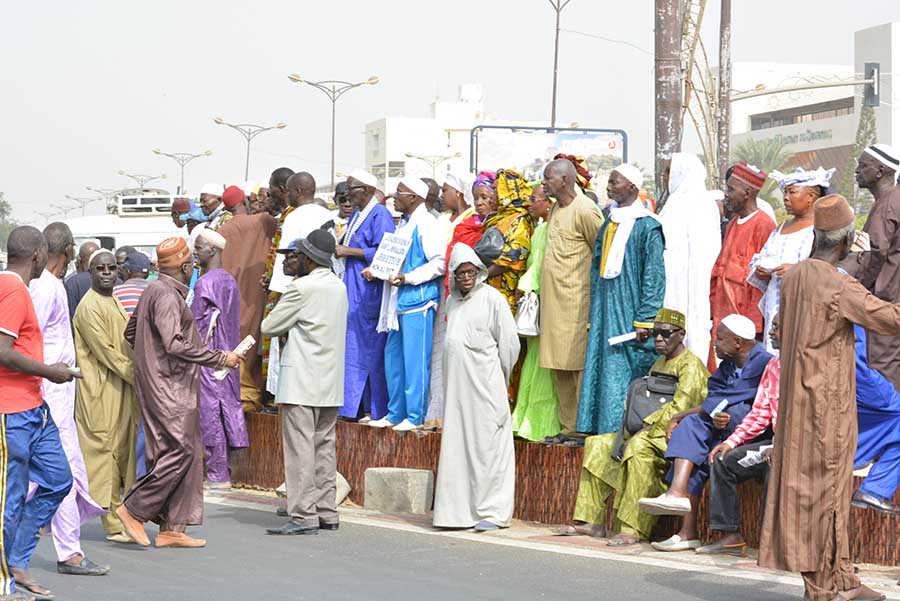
x,y
791,242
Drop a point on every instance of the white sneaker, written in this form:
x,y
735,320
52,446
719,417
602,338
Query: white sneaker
x,y
364,420
405,426
381,423
665,504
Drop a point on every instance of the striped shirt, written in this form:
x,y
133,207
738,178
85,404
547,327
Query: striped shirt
x,y
130,293
765,408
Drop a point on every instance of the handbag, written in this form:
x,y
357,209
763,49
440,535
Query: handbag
x,y
645,396
489,246
528,315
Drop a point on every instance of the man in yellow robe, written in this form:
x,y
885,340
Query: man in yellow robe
x,y
105,411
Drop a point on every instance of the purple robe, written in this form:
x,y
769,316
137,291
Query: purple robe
x,y
365,388
222,425
52,308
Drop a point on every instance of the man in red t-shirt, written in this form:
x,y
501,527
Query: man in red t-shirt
x,y
29,441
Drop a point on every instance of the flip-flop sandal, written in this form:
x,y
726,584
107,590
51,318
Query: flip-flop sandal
x,y
620,541
568,530
31,586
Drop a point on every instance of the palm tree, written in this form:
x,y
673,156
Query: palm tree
x,y
767,155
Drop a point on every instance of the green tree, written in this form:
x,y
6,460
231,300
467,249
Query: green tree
x,y
6,221
767,155
866,135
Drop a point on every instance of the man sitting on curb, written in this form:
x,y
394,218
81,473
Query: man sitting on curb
x,y
639,473
727,472
693,433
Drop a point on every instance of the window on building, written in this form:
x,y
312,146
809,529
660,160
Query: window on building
x,y
397,169
802,114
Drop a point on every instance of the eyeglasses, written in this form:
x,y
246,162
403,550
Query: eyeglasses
x,y
469,274
666,334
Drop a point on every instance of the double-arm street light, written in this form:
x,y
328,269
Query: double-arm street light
x,y
334,89
249,131
83,200
142,180
64,209
433,160
182,158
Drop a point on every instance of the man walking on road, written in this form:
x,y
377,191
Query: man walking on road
x,y
313,313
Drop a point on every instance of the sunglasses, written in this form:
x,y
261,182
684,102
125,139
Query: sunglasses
x,y
666,334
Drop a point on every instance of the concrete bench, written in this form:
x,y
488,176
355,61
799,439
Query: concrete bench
x,y
399,490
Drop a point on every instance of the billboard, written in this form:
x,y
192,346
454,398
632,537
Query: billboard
x,y
527,149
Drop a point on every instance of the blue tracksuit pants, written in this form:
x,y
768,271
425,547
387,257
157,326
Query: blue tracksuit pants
x,y
407,365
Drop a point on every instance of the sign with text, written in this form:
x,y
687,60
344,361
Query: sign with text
x,y
389,257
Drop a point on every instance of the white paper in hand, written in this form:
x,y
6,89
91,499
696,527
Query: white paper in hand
x,y
240,349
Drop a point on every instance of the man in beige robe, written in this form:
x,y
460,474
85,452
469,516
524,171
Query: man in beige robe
x,y
566,287
808,502
105,409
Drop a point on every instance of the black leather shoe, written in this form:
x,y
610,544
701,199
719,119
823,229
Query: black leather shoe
x,y
327,526
293,529
864,500
281,512
85,568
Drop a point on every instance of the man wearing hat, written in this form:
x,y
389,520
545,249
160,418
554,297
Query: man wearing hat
x,y
180,206
213,207
693,433
879,269
168,353
408,303
234,201
365,386
136,268
746,234
808,502
639,472
313,313
216,310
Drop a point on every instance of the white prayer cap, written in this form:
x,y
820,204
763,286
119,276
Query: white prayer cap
x,y
99,252
740,326
631,173
214,238
887,156
416,185
212,189
463,185
364,177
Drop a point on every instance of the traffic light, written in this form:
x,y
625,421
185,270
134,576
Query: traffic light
x,y
872,90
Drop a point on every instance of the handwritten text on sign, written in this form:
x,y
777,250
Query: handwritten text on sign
x,y
389,257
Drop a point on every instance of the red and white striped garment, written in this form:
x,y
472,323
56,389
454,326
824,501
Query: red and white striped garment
x,y
765,407
129,293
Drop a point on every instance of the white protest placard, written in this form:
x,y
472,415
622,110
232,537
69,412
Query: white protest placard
x,y
389,257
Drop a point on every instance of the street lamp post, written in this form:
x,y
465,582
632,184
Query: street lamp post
x,y
558,6
433,160
83,201
64,209
334,89
142,180
106,194
249,131
182,158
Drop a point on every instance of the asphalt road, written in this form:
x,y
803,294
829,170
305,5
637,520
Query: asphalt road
x,y
365,563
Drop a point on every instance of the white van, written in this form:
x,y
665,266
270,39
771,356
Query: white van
x,y
143,221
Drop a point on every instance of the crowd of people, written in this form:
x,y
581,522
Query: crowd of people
x,y
516,308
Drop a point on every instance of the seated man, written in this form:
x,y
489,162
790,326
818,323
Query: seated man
x,y
878,412
639,473
694,433
727,472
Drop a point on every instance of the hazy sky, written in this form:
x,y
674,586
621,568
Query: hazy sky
x,y
90,87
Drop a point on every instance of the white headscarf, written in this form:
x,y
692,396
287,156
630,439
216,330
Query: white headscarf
x,y
691,226
463,185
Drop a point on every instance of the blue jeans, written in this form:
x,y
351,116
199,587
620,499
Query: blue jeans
x,y
407,365
30,449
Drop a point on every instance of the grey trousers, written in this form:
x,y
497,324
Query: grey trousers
x,y
307,435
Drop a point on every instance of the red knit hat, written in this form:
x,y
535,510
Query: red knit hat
x,y
232,197
750,175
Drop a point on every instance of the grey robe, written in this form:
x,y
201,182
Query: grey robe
x,y
476,471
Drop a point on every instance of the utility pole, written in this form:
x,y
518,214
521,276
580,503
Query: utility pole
x,y
723,117
668,85
558,6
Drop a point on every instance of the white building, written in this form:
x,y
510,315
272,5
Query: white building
x,y
819,126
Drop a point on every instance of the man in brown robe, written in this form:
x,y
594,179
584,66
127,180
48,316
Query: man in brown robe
x,y
168,353
249,238
879,269
808,502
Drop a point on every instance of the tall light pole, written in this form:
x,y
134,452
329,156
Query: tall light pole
x,y
334,89
558,6
83,201
182,158
249,131
64,209
433,160
106,193
142,180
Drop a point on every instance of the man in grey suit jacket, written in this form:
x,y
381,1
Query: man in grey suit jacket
x,y
313,315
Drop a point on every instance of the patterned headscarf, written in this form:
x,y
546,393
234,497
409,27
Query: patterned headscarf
x,y
512,188
484,179
582,175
